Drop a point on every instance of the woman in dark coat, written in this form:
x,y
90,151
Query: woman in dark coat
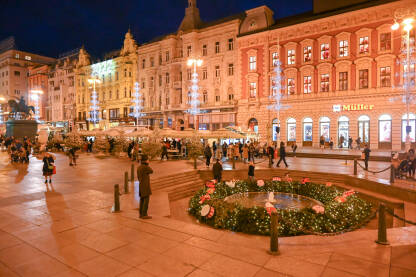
x,y
47,169
282,152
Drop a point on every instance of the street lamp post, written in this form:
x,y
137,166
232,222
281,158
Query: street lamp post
x,y
194,110
405,17
2,100
35,95
94,115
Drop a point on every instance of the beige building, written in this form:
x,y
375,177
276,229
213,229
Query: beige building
x,y
117,74
60,109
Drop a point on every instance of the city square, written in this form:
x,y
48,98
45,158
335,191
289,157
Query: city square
x,y
248,139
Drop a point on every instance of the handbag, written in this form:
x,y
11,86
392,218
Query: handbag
x,y
54,170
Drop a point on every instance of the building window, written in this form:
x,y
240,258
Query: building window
x,y
343,80
143,83
205,97
189,97
17,56
307,54
324,82
230,44
204,74
160,59
307,84
152,62
275,58
363,78
17,73
385,76
160,80
167,78
253,90
230,97
364,49
189,50
152,82
230,69
167,56
217,71
143,63
291,56
28,58
411,74
189,74
385,41
217,98
343,48
253,63
291,86
204,50
125,72
217,47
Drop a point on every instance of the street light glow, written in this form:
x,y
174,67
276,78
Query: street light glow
x,y
407,27
408,21
36,91
395,26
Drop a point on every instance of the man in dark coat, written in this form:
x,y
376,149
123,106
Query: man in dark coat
x,y
366,155
282,154
217,171
145,191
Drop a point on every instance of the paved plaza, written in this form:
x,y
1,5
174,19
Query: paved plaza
x,y
67,229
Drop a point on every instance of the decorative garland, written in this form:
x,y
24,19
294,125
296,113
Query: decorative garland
x,y
341,211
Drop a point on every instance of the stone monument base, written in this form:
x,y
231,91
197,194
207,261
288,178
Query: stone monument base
x,y
21,128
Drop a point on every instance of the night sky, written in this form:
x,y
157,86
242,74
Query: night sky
x,y
51,27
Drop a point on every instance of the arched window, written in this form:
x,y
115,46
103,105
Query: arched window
x,y
343,130
275,129
291,129
364,128
384,130
412,133
307,131
324,127
253,125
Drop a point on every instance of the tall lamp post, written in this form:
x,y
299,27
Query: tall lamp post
x,y
194,109
35,96
405,17
2,100
94,108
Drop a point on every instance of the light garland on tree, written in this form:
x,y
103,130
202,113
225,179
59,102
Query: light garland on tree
x,y
138,103
194,110
94,108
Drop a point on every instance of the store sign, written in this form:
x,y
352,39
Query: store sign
x,y
352,107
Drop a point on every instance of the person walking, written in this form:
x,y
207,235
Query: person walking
x,y
331,143
282,153
270,152
217,170
214,149
349,142
48,167
251,172
358,141
245,153
164,151
366,152
251,151
143,172
294,148
411,160
341,141
72,156
322,143
207,154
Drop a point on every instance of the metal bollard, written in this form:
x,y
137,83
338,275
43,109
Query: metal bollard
x,y
116,206
392,174
355,166
274,235
126,182
132,173
382,228
270,161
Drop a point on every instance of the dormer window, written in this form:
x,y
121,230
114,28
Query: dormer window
x,y
253,24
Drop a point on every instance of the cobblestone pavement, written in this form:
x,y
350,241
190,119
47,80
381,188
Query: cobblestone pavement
x,y
68,230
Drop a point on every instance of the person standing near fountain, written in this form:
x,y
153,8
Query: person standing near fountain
x,y
251,172
217,170
282,153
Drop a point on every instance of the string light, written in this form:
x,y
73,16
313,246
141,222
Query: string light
x,y
138,103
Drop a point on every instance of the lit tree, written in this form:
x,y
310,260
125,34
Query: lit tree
x,y
194,110
138,103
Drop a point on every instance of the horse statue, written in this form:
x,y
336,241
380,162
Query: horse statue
x,y
20,108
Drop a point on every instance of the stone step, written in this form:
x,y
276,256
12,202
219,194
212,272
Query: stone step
x,y
338,156
183,174
183,187
190,191
173,182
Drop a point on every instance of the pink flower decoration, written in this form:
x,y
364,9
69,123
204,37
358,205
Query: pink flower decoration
x,y
260,183
340,199
214,181
328,184
210,184
277,179
210,190
348,193
203,198
306,180
318,209
211,212
289,179
271,210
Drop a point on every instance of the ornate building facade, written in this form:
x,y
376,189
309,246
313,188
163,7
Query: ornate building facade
x,y
343,76
38,81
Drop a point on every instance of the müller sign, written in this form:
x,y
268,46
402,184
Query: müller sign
x,y
352,107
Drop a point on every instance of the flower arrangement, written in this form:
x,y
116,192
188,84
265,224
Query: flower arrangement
x,y
341,209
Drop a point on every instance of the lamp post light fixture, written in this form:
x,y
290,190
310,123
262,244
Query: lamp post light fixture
x,y
405,17
35,96
194,109
94,108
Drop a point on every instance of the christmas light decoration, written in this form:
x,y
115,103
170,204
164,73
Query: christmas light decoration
x,y
194,109
138,103
2,99
94,108
35,95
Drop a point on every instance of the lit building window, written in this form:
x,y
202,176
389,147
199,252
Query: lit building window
x,y
217,47
253,90
307,84
143,63
343,80
253,63
275,58
324,82
364,45
385,76
205,97
167,56
291,57
230,69
343,48
189,51
324,51
363,78
291,86
307,54
152,62
204,74
231,44
28,58
385,41
204,50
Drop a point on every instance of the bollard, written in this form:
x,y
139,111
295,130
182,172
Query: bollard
x,y
233,162
392,174
270,161
355,166
382,228
116,206
132,173
274,235
126,182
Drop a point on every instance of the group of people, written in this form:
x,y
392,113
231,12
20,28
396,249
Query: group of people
x,y
405,167
323,143
19,150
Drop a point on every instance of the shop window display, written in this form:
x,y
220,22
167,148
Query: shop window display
x,y
324,125
291,129
307,130
384,128
343,129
